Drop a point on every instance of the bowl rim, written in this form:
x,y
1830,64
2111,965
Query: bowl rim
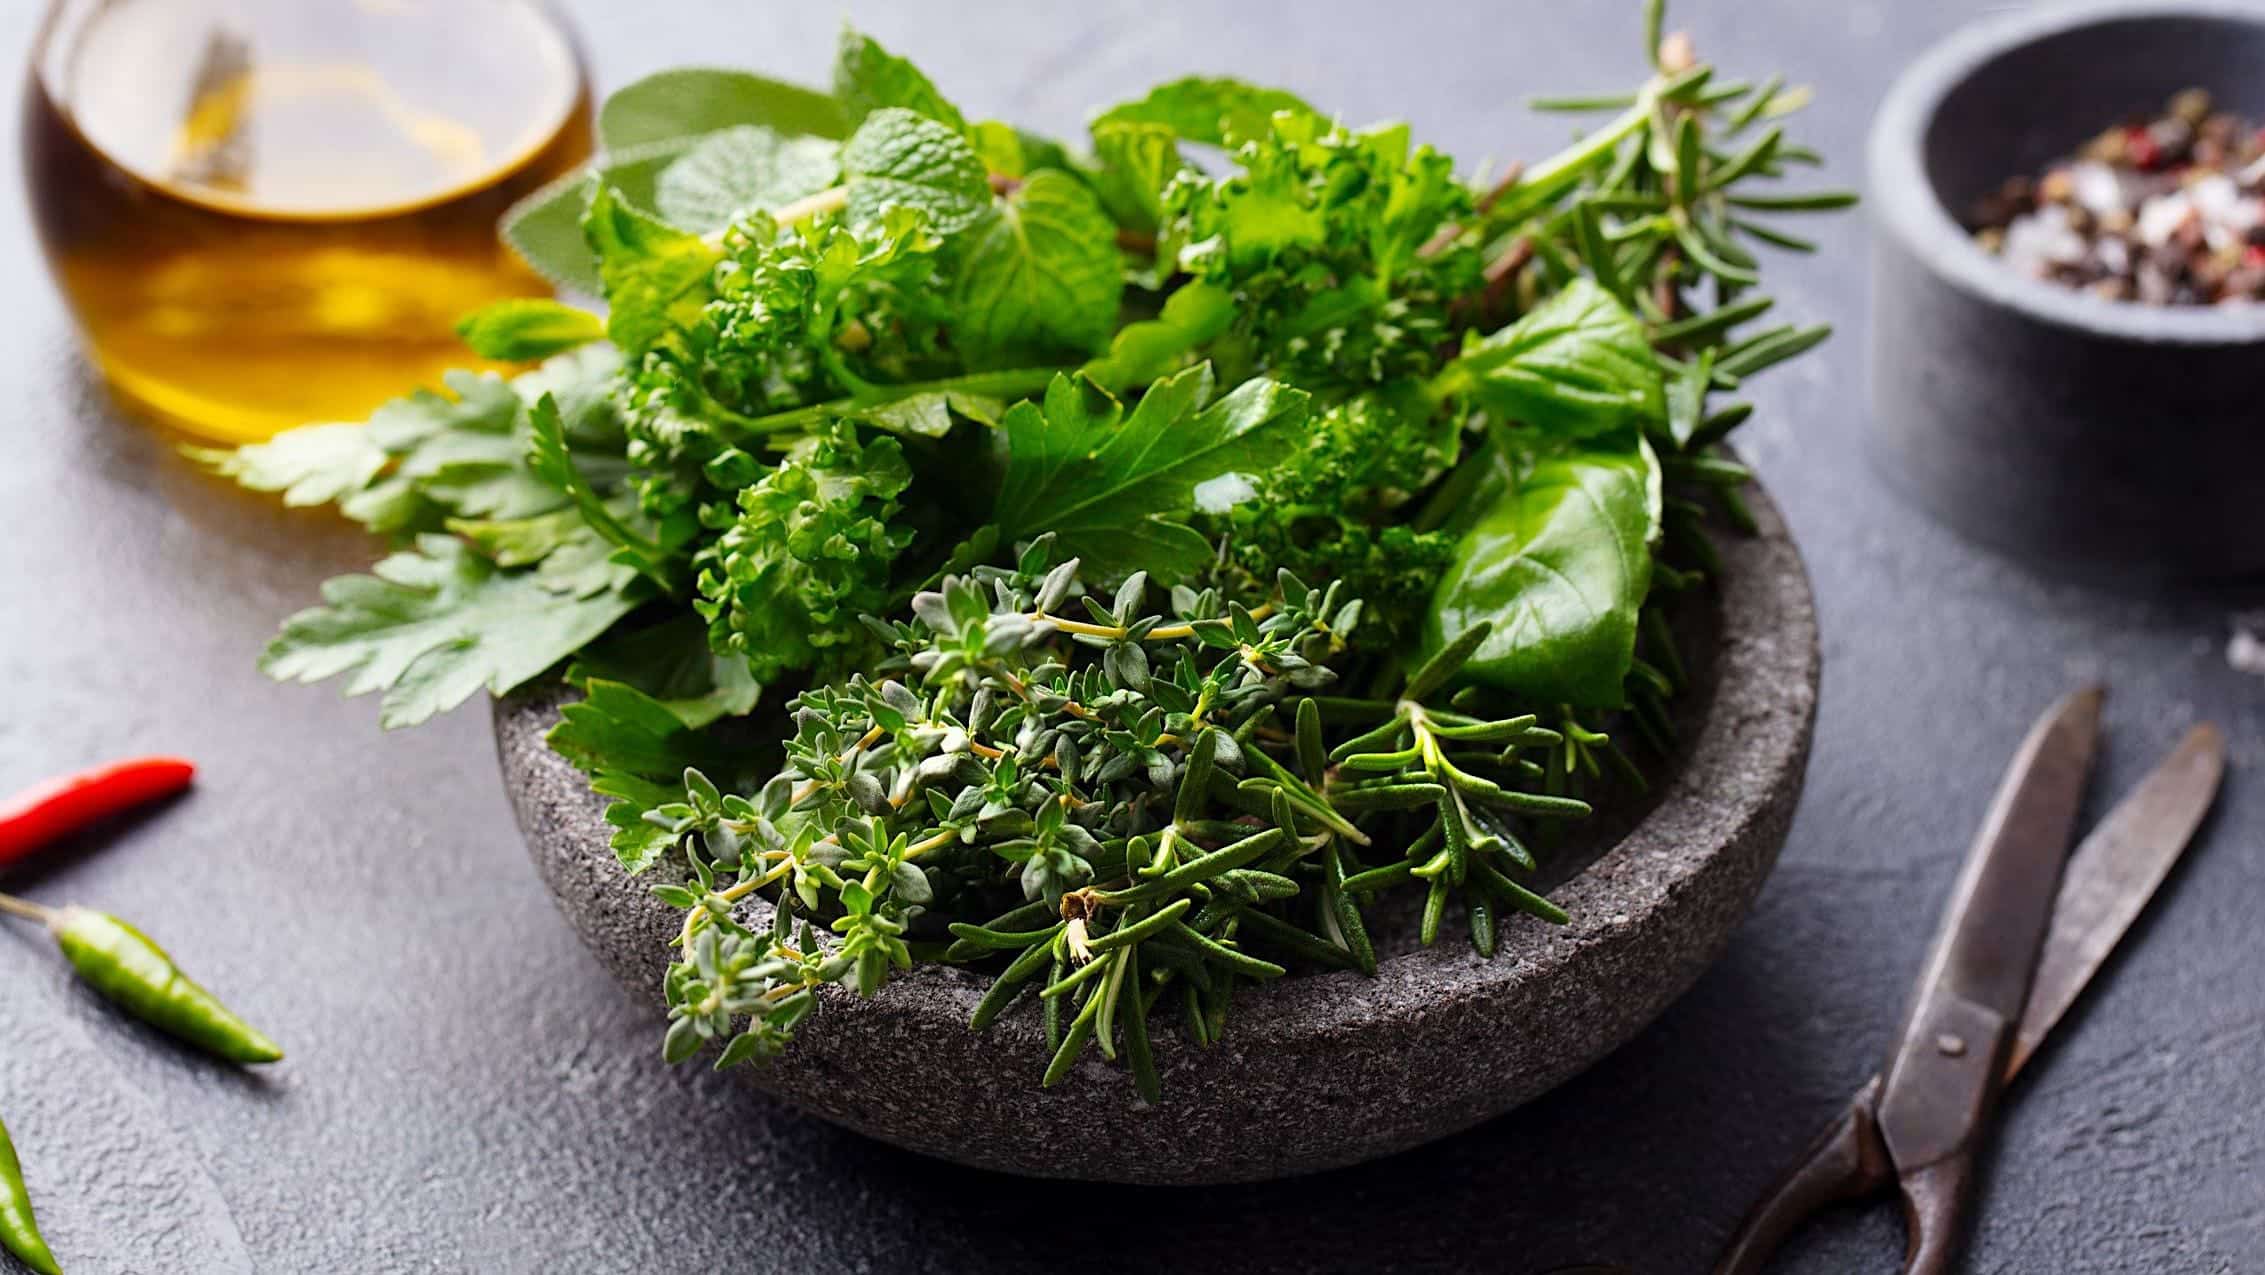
x,y
1907,205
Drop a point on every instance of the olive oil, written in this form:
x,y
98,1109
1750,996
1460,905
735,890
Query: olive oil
x,y
271,212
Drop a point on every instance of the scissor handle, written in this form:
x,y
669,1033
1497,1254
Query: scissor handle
x,y
1848,1161
1934,1208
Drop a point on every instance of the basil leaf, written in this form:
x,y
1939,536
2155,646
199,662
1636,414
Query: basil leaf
x,y
868,78
735,170
694,100
898,159
1577,365
1559,565
1042,278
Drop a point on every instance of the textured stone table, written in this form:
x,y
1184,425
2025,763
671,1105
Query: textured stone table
x,y
467,1091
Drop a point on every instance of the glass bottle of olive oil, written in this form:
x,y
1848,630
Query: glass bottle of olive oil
x,y
271,212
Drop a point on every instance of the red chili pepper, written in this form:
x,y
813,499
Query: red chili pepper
x,y
62,806
2141,146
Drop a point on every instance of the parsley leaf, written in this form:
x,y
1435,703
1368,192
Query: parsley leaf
x,y
434,624
673,663
617,727
312,465
806,555
551,460
1041,277
1112,487
655,275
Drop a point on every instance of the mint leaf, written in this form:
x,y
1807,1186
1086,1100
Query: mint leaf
x,y
433,625
1559,565
1211,110
1111,487
655,275
868,78
691,100
1041,278
736,170
524,328
898,159
1576,365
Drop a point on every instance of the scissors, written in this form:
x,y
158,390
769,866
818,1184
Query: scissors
x,y
2011,958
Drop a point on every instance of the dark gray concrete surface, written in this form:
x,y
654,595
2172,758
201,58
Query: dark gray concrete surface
x,y
468,1091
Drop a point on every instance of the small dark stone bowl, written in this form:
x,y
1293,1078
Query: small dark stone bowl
x,y
1319,1069
2097,437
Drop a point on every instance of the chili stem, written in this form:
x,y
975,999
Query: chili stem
x,y
26,909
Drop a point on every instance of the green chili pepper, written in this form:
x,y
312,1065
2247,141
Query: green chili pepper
x,y
19,1233
121,962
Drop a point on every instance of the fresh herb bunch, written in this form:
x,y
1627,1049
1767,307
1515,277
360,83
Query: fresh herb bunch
x,y
1153,560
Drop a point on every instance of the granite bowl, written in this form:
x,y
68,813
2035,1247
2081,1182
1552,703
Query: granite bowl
x,y
1316,1070
2100,437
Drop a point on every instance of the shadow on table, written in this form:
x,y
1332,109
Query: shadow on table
x,y
1643,1162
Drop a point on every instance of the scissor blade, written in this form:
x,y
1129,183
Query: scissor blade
x,y
1996,916
2111,876
1942,1078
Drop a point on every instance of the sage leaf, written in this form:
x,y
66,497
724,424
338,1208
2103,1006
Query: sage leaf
x,y
545,228
689,101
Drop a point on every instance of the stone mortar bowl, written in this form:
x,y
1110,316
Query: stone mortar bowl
x,y
2104,438
1317,1069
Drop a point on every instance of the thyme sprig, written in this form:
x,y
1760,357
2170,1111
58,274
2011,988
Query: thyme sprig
x,y
1144,802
